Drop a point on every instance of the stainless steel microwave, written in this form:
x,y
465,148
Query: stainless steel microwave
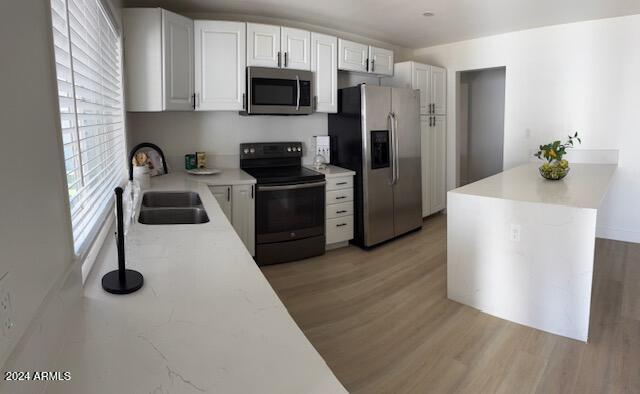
x,y
277,91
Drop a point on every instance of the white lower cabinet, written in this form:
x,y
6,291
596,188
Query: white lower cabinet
x,y
223,196
434,144
238,204
339,211
243,214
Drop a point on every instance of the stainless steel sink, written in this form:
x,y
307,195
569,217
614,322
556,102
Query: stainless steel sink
x,y
171,199
172,208
182,215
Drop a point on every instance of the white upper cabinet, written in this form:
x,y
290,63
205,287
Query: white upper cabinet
x,y
158,60
380,61
263,45
439,90
220,77
177,43
352,56
421,79
296,48
324,65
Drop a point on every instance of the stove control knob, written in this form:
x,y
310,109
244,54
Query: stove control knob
x,y
299,149
288,149
246,150
252,150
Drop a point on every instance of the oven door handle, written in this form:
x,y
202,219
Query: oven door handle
x,y
291,187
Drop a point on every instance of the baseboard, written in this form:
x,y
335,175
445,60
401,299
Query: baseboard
x,y
617,234
42,341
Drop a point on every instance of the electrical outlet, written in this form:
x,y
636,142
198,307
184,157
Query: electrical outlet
x,y
6,308
514,233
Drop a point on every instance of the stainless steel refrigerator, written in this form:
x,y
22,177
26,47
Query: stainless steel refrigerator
x,y
376,133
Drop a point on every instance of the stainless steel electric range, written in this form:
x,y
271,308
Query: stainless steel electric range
x,y
290,202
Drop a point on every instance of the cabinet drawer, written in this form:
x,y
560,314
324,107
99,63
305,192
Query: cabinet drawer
x,y
345,182
338,196
339,210
339,229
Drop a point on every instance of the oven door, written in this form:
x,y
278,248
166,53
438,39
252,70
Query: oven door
x,y
289,212
279,92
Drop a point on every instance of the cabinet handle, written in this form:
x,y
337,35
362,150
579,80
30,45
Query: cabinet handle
x,y
279,62
340,183
366,62
341,197
252,192
373,65
341,224
286,60
244,101
315,103
194,101
341,211
228,194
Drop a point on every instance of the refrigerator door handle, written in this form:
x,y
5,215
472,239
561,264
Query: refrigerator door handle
x,y
392,151
396,152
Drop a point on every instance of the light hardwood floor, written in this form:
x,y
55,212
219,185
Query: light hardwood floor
x,y
382,322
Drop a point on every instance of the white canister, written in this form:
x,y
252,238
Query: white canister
x,y
141,174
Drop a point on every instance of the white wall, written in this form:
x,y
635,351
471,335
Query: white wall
x,y
481,127
219,134
36,247
561,79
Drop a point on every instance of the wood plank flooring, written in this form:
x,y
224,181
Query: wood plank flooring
x,y
382,322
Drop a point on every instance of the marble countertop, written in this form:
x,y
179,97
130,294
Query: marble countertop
x,y
227,176
205,321
332,171
584,187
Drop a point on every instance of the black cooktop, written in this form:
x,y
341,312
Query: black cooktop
x,y
288,174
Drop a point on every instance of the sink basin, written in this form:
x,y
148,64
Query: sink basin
x,y
172,208
171,199
175,215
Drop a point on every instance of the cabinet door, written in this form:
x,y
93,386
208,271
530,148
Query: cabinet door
x,y
223,196
324,65
220,65
439,90
296,49
426,158
380,61
438,166
244,214
177,58
421,80
352,56
263,45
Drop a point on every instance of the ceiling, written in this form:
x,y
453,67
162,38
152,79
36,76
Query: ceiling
x,y
400,22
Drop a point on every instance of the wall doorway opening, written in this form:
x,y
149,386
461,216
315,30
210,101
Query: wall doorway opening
x,y
480,124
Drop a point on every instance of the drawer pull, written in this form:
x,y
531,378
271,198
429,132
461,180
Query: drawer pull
x,y
340,183
341,211
341,224
340,197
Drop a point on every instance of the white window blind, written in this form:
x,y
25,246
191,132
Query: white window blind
x,y
88,67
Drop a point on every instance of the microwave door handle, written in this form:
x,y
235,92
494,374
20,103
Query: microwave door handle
x,y
298,93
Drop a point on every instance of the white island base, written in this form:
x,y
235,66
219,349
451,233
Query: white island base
x,y
521,248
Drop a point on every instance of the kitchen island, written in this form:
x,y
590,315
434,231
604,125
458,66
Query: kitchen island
x,y
205,321
521,247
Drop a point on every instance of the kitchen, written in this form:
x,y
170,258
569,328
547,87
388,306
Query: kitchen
x,y
309,251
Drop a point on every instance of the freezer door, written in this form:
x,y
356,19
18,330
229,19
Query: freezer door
x,y
376,166
407,189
